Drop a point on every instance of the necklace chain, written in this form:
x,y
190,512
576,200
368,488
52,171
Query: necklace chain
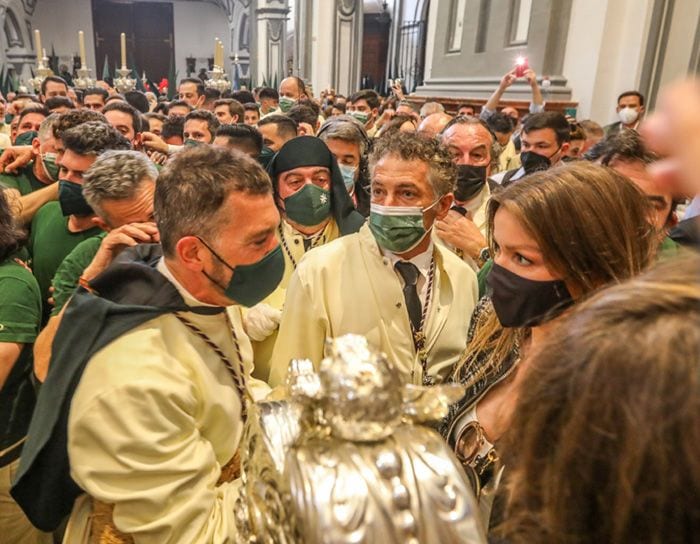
x,y
238,372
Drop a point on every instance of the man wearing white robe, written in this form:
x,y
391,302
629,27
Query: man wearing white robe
x,y
353,284
157,413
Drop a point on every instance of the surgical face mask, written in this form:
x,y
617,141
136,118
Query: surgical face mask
x,y
309,206
48,161
71,199
265,156
628,115
192,143
26,138
361,116
470,181
286,103
348,173
252,283
521,302
398,228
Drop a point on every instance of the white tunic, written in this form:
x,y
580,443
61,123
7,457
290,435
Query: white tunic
x,y
154,418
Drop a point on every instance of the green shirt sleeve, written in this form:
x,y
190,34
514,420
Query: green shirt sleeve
x,y
20,304
66,279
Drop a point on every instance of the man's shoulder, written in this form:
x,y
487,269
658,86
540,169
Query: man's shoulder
x,y
49,210
612,128
332,250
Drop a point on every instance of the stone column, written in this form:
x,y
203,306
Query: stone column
x,y
336,45
20,52
268,37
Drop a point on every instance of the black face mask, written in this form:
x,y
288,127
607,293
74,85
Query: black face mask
x,y
470,180
534,162
520,302
71,199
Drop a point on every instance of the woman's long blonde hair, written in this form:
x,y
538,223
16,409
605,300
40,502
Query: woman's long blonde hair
x,y
592,226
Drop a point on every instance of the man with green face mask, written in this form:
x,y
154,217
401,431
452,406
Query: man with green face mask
x,y
159,366
411,298
291,89
315,208
364,106
35,184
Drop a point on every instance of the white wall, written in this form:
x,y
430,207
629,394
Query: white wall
x,y
604,53
196,24
59,23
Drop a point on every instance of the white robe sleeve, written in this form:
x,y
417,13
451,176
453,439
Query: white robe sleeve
x,y
136,445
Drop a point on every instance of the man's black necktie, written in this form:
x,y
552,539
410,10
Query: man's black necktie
x,y
409,273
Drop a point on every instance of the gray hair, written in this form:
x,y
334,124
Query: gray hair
x,y
193,187
442,173
495,149
46,127
116,175
431,107
346,128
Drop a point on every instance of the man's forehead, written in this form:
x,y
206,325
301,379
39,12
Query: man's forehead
x,y
306,170
539,135
472,133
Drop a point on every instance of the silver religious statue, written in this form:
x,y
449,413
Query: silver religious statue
x,y
345,459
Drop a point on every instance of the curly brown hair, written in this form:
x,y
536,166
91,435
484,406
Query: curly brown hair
x,y
442,173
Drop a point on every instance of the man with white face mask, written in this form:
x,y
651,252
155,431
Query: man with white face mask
x,y
411,298
630,108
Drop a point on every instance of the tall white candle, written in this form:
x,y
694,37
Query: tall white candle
x,y
216,51
123,39
81,43
37,44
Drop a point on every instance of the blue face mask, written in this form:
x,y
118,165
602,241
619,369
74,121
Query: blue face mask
x,y
348,173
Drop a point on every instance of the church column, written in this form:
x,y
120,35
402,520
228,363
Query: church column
x,y
336,45
268,43
303,20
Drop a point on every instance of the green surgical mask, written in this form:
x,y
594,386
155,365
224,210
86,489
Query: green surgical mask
x,y
252,283
26,138
265,156
192,143
361,116
398,228
48,160
286,103
309,206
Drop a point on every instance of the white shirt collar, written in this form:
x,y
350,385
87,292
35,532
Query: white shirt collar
x,y
422,260
189,299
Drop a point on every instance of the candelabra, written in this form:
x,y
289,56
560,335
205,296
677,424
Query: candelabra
x,y
124,83
42,72
218,80
84,81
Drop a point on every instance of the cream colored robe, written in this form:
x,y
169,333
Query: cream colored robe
x,y
295,243
154,418
348,286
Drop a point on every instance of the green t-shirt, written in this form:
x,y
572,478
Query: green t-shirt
x,y
66,279
25,181
51,242
20,317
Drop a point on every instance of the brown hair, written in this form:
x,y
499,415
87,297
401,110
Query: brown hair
x,y
592,227
193,187
603,447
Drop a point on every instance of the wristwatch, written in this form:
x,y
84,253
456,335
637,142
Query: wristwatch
x,y
484,255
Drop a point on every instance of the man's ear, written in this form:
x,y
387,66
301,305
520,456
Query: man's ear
x,y
236,119
564,148
642,109
137,142
101,223
191,253
443,207
36,145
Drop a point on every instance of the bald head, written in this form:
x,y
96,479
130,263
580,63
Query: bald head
x,y
433,124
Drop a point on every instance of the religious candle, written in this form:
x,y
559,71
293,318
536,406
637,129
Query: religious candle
x,y
37,44
81,43
123,40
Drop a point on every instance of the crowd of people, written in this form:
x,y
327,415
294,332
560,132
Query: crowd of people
x,y
163,261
